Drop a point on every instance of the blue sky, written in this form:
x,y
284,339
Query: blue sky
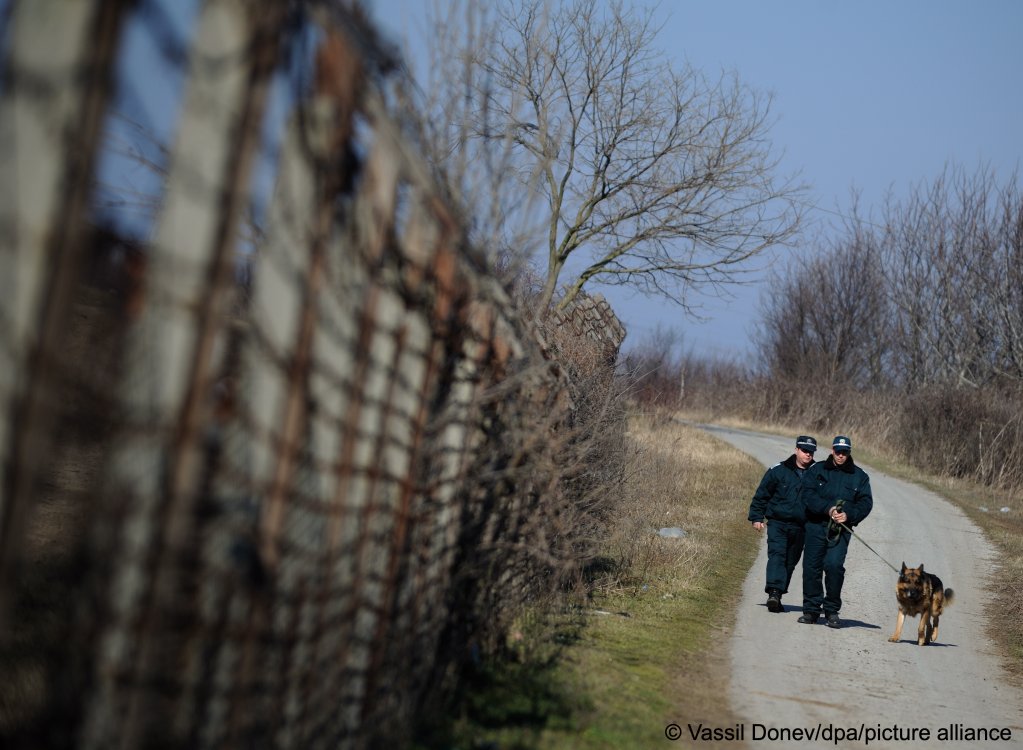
x,y
872,96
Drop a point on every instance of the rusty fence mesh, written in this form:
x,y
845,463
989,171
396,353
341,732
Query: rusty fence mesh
x,y
274,439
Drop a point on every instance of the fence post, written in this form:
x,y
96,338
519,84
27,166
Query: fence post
x,y
172,361
58,82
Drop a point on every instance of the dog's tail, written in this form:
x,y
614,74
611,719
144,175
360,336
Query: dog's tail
x,y
950,597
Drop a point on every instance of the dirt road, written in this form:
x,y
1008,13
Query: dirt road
x,y
786,676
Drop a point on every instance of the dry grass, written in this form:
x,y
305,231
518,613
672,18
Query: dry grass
x,y
679,593
660,609
673,470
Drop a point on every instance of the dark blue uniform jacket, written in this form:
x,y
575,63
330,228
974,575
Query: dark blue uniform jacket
x,y
779,496
827,483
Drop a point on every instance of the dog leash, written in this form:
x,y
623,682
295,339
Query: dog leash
x,y
839,523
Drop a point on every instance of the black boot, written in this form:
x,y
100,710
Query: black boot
x,y
774,601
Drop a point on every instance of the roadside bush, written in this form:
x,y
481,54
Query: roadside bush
x,y
593,468
964,433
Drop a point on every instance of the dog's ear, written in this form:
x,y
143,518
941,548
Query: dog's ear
x,y
921,567
903,566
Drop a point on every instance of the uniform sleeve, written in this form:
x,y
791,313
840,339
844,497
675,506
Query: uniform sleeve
x,y
815,495
764,492
864,502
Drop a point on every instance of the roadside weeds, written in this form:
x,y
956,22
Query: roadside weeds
x,y
648,647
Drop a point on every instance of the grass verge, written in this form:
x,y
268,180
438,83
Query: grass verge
x,y
649,645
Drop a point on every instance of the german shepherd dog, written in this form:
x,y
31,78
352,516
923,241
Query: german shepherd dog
x,y
920,593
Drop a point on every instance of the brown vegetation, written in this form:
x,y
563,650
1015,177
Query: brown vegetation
x,y
907,333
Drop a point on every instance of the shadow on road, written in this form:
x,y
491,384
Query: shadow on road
x,y
845,623
912,641
859,624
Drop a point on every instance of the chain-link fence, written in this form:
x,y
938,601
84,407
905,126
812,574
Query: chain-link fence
x,y
275,442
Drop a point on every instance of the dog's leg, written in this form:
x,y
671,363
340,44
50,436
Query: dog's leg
x,y
898,628
923,630
937,608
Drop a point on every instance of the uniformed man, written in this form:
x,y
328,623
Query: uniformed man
x,y
837,491
777,504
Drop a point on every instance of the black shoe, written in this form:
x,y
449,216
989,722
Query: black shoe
x,y
808,618
833,621
774,601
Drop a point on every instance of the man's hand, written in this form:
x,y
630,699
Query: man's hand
x,y
838,516
759,525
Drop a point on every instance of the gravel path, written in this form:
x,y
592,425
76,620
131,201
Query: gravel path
x,y
786,676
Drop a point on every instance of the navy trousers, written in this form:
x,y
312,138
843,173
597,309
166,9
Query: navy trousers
x,y
784,547
823,559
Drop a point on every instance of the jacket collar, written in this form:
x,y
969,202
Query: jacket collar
x,y
790,462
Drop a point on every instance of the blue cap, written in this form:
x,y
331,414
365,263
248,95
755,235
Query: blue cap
x,y
807,443
842,443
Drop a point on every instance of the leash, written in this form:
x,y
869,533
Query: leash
x,y
839,523
833,533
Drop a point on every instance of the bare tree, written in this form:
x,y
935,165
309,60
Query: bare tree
x,y
654,176
931,298
945,257
654,366
828,320
446,104
1003,276
786,348
563,132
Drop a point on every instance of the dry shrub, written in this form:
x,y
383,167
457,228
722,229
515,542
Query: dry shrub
x,y
536,515
668,469
593,464
965,433
656,376
544,486
946,431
